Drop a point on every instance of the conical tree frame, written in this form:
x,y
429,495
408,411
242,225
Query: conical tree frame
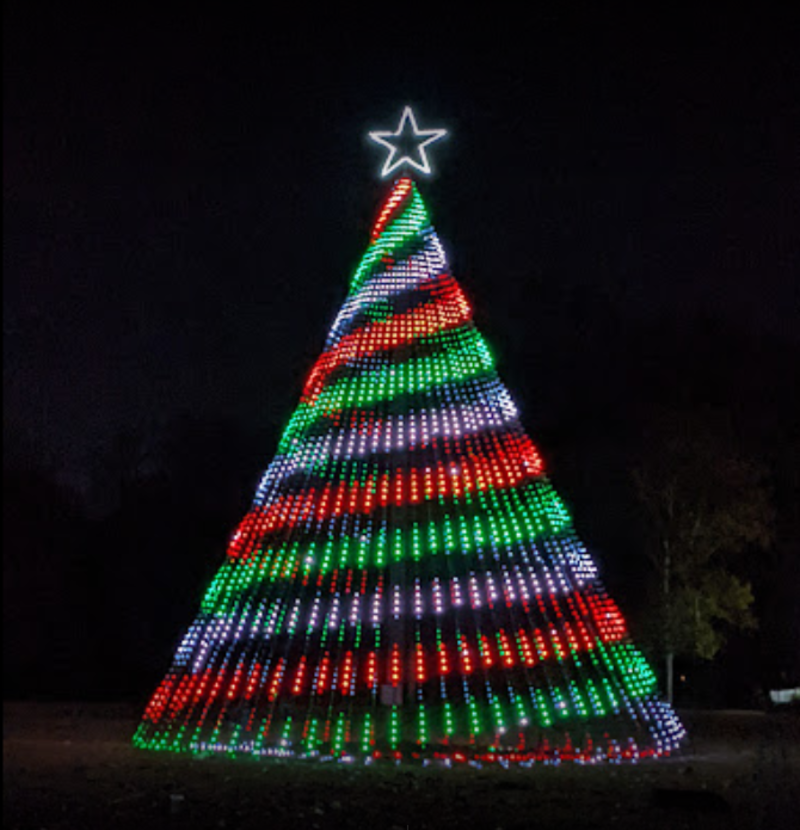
x,y
407,582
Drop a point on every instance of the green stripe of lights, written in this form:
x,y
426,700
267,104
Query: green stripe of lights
x,y
339,734
384,384
622,677
311,741
412,220
470,358
500,524
366,734
460,360
395,728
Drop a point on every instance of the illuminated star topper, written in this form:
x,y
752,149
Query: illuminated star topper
x,y
407,145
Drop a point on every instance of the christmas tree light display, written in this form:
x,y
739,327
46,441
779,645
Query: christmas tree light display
x,y
407,583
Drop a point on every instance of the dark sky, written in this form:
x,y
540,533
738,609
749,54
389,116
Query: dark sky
x,y
187,194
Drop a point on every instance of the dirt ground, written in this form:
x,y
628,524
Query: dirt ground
x,y
71,766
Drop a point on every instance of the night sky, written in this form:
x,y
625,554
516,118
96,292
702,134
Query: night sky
x,y
186,196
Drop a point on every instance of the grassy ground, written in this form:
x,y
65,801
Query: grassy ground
x,y
71,766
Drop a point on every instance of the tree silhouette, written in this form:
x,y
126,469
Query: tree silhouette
x,y
706,503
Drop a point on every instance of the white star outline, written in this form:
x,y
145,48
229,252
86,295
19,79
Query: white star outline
x,y
384,137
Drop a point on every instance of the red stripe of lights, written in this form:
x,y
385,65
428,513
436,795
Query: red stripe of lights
x,y
401,190
512,461
449,310
524,647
